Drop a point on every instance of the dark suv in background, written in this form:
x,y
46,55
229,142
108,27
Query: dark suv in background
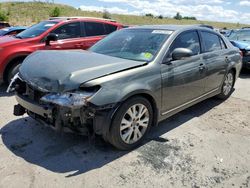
x,y
127,82
54,34
241,39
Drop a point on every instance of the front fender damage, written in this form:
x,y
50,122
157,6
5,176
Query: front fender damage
x,y
86,120
68,111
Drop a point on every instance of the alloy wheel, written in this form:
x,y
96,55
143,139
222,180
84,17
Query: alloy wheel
x,y
228,83
134,123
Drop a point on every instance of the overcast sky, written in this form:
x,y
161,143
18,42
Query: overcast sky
x,y
213,10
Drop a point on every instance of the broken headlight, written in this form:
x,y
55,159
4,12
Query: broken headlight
x,y
68,99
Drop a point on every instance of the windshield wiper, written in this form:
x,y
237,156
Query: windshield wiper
x,y
18,37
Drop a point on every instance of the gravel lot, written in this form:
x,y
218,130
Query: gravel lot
x,y
206,145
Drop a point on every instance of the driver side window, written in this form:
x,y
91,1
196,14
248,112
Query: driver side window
x,y
188,40
67,31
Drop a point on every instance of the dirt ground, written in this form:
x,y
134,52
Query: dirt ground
x,y
206,145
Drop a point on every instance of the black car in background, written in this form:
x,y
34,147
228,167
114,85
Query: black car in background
x,y
241,39
226,32
11,30
4,24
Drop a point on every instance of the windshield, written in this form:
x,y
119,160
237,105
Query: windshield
x,y
133,44
3,31
243,35
36,30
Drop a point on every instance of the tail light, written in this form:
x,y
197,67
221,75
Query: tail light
x,y
241,53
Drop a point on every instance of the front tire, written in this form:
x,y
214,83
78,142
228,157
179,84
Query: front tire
x,y
13,70
131,123
227,86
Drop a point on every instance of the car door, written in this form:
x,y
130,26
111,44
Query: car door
x,y
183,80
215,55
93,32
69,37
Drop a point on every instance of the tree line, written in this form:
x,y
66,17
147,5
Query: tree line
x,y
178,16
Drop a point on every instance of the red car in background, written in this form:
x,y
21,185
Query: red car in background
x,y
55,34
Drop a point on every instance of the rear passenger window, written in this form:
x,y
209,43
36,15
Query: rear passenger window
x,y
110,28
94,29
212,41
188,40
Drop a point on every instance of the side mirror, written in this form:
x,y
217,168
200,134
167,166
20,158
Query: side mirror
x,y
181,53
51,37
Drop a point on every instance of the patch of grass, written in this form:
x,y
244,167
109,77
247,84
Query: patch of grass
x,y
28,13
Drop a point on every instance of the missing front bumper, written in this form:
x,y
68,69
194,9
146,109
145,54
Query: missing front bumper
x,y
57,117
83,120
44,111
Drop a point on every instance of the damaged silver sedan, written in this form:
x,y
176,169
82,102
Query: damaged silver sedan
x,y
127,82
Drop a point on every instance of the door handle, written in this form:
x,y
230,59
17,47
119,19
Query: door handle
x,y
202,67
58,47
80,45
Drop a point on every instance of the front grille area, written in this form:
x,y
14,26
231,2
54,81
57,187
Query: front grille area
x,y
33,93
58,117
24,89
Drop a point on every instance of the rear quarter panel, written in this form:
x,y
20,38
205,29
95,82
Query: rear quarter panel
x,y
235,59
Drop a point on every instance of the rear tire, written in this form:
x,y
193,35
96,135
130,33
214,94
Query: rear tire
x,y
227,86
131,123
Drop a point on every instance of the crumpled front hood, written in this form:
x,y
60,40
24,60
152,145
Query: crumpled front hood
x,y
59,71
241,44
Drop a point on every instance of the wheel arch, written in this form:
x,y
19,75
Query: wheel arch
x,y
234,70
11,61
229,68
147,95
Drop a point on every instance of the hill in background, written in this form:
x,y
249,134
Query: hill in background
x,y
28,13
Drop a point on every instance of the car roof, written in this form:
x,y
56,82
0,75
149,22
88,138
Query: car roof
x,y
239,30
172,27
63,19
244,29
